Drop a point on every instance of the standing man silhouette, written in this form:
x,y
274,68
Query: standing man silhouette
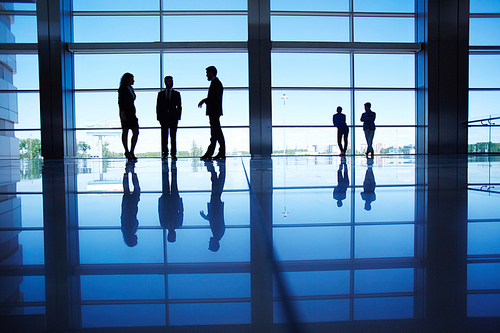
x,y
168,113
214,111
342,129
368,119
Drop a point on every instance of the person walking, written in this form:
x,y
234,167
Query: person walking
x,y
213,104
128,118
168,113
342,129
368,119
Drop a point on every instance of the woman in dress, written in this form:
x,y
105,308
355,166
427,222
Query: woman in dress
x,y
129,121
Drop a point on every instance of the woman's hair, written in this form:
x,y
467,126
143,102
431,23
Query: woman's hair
x,y
125,78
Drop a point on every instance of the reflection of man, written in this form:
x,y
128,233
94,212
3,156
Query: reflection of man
x,y
168,113
339,192
170,207
216,207
130,202
214,111
368,194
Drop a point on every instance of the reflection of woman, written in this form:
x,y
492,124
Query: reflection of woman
x,y
130,202
129,121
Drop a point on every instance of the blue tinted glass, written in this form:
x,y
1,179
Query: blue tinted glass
x,y
483,237
23,28
484,6
484,71
33,288
383,280
390,6
26,75
316,70
123,315
33,247
108,246
104,28
384,70
204,5
483,205
383,204
483,104
32,210
209,313
384,29
215,28
391,107
120,287
384,241
383,308
483,305
484,31
97,5
304,28
28,108
315,310
228,285
483,276
311,243
311,5
316,283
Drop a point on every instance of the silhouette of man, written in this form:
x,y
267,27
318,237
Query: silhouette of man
x,y
168,113
339,192
368,194
170,206
342,129
368,119
130,202
214,111
215,207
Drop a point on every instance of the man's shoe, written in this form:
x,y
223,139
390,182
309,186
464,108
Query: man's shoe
x,y
219,157
206,157
174,158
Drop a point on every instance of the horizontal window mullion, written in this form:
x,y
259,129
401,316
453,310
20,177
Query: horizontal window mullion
x,y
340,14
19,48
158,12
311,47
153,47
484,15
154,89
18,12
345,88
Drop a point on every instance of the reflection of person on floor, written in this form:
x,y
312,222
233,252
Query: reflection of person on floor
x,y
216,207
339,192
130,204
170,206
368,194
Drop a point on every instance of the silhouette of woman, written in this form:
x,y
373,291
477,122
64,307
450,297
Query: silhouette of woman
x,y
130,202
128,118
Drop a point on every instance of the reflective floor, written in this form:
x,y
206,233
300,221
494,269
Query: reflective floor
x,y
287,244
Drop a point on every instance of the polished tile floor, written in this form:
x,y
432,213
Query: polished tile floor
x,y
285,244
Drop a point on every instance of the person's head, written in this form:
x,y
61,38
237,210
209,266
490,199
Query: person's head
x,y
171,237
339,109
169,82
213,244
339,203
368,106
368,205
130,239
127,80
211,72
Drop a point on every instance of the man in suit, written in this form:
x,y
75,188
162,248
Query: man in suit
x,y
168,113
214,111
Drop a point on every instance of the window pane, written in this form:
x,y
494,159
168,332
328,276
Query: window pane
x,y
28,106
316,283
309,107
314,311
215,28
227,285
483,238
484,6
204,5
295,243
480,136
188,69
484,71
391,107
26,75
105,28
305,141
388,140
98,5
18,6
311,5
103,71
383,308
18,29
389,6
317,28
203,313
383,29
384,204
384,70
384,241
117,287
383,280
310,70
484,31
123,315
483,104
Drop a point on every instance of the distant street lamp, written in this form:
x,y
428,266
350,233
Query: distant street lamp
x,y
285,214
284,98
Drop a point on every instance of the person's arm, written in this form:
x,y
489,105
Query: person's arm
x,y
180,105
158,102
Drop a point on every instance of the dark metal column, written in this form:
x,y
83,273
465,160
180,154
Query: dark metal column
x,y
443,69
56,78
259,70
